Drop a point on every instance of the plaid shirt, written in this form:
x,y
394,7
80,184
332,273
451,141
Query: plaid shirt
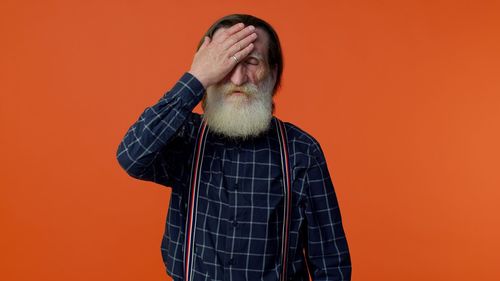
x,y
239,217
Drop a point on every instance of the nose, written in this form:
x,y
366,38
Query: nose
x,y
238,75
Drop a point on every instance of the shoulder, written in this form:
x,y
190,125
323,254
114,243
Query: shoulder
x,y
302,142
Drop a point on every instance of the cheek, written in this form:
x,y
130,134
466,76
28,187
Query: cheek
x,y
259,74
213,93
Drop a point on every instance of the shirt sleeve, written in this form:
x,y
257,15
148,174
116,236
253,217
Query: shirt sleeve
x,y
147,151
326,248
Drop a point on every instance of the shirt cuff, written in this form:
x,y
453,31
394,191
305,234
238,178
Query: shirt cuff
x,y
188,90
194,84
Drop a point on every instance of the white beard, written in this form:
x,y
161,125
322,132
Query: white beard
x,y
241,116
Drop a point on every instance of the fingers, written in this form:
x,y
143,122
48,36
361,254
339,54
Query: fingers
x,y
206,41
231,30
242,54
238,36
242,43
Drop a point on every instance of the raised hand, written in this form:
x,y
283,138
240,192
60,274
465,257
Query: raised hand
x,y
216,57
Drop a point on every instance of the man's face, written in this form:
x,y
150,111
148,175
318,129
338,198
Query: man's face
x,y
241,103
252,70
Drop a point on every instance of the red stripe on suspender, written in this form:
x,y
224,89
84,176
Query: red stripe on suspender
x,y
287,182
193,188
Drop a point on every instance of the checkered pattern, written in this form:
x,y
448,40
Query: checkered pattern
x,y
239,215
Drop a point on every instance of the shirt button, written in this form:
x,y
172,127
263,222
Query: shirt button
x,y
236,185
230,261
235,223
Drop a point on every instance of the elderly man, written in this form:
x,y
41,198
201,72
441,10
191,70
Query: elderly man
x,y
252,197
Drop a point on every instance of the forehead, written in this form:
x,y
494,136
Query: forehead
x,y
261,44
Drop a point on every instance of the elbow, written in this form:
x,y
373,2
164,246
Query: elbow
x,y
126,162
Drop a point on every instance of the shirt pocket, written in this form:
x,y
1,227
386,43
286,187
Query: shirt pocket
x,y
211,178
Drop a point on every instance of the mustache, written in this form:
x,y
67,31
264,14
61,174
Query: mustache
x,y
247,88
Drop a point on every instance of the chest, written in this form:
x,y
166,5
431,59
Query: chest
x,y
249,172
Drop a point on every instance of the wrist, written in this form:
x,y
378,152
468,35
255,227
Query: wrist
x,y
200,78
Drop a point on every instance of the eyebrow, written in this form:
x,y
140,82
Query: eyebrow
x,y
256,55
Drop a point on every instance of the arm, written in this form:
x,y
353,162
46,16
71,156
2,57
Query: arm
x,y
147,151
140,151
327,252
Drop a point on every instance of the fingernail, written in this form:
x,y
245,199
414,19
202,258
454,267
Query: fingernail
x,y
251,27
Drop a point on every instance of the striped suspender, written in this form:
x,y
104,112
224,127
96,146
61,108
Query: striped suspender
x,y
194,184
193,199
287,191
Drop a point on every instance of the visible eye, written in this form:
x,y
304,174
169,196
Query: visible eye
x,y
252,61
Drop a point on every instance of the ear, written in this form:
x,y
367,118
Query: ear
x,y
275,73
274,78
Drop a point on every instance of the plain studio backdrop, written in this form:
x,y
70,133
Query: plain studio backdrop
x,y
404,97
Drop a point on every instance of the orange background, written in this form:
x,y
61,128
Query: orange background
x,y
404,97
